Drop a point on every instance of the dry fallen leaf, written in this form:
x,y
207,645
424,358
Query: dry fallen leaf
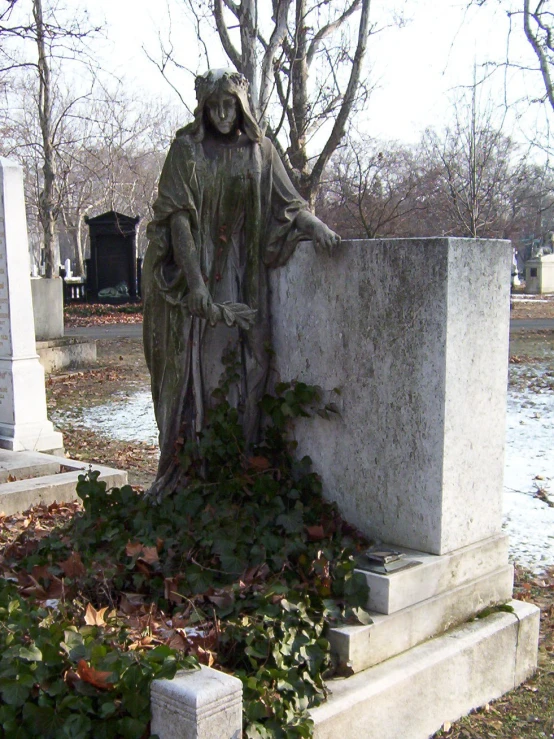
x,y
133,548
259,463
94,617
98,678
73,566
315,533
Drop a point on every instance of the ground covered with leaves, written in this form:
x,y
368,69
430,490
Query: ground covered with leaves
x,y
532,306
243,568
119,372
97,314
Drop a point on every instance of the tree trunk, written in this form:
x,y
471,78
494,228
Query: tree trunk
x,y
47,205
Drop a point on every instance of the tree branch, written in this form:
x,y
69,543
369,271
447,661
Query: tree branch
x,y
230,50
340,122
328,30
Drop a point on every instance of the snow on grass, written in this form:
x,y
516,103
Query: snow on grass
x,y
528,519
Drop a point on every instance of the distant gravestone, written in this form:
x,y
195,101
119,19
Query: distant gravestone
x,y
113,256
23,421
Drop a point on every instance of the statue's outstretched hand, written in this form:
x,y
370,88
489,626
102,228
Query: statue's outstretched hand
x,y
199,302
324,240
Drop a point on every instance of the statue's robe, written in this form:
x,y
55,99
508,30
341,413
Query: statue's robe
x,y
241,206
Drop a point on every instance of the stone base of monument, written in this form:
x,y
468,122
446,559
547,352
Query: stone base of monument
x,y
415,693
30,478
433,594
69,352
410,695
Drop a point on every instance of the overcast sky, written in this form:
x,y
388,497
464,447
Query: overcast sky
x,y
419,69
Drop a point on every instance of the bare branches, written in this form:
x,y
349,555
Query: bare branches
x,y
540,39
349,97
329,29
228,47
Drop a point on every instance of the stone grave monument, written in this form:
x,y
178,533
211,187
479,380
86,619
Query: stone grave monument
x,y
416,343
23,421
28,476
410,342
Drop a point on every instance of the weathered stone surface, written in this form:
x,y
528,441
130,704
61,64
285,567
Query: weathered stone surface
x,y
414,332
360,647
71,351
22,465
47,307
436,574
412,695
23,421
197,704
59,485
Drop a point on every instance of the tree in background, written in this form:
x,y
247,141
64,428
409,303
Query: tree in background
x,y
304,61
374,190
39,44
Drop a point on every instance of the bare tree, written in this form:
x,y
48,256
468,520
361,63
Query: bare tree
x,y
373,190
115,165
536,19
54,42
304,64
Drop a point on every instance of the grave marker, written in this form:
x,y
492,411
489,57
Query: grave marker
x,y
23,421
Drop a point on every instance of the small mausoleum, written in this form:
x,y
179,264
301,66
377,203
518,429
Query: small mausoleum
x,y
539,275
113,270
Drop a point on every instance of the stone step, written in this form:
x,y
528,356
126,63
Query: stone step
x,y
59,485
412,695
434,575
20,465
360,647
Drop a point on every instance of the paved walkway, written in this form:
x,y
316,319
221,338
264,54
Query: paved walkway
x,y
134,330
108,331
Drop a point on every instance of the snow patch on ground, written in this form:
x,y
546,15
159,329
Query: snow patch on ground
x,y
528,520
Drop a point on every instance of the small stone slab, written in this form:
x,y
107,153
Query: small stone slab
x,y
20,495
197,704
20,465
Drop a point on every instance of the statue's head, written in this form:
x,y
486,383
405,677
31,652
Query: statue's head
x,y
223,104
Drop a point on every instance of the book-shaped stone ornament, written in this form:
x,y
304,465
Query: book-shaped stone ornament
x,y
385,561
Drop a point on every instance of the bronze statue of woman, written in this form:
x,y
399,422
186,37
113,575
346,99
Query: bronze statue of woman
x,y
226,212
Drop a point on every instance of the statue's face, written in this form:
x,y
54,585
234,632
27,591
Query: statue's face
x,y
222,111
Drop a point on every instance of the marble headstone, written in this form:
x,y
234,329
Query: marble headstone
x,y
23,421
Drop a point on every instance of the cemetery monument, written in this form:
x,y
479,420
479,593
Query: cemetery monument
x,y
412,345
23,421
226,213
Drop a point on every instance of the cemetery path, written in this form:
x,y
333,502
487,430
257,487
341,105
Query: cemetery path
x,y
134,330
111,331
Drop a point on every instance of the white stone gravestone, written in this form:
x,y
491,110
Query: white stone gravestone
x,y
23,421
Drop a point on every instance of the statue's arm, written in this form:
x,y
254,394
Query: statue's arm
x,y
323,238
186,257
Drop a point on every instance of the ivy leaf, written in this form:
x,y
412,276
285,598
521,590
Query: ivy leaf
x,y
73,645
14,692
44,720
31,654
292,522
131,728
